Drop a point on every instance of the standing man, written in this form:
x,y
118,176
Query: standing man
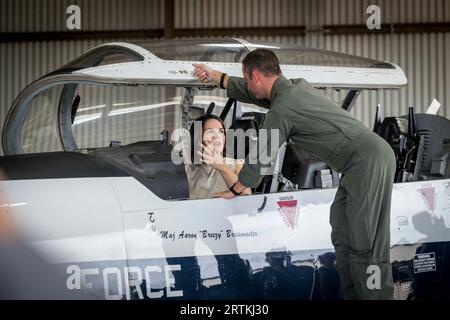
x,y
360,212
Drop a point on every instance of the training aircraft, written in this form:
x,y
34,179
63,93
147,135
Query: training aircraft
x,y
89,179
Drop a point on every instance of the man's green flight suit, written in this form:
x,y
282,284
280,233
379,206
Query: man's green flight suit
x,y
360,212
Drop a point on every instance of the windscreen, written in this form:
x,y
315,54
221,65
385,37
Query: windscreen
x,y
231,50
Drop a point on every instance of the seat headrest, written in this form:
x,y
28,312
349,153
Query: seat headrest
x,y
258,117
392,127
242,126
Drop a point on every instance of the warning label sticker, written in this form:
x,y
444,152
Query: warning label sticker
x,y
289,211
424,262
429,196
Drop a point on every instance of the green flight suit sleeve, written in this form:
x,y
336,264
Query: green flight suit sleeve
x,y
252,173
238,90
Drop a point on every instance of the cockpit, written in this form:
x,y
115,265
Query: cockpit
x,y
120,103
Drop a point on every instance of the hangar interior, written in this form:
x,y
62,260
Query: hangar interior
x,y
110,221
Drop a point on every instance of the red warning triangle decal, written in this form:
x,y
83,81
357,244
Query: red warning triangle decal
x,y
429,196
289,211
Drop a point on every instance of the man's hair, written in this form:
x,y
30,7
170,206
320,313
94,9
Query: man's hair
x,y
262,59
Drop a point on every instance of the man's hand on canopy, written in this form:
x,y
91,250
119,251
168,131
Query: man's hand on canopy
x,y
206,74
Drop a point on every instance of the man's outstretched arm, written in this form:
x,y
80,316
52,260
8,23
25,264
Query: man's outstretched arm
x,y
207,74
236,87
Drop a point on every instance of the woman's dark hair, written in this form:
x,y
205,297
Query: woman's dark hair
x,y
203,119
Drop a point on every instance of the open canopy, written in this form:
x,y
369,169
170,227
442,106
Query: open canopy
x,y
170,61
234,50
131,91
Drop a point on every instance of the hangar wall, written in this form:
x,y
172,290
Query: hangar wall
x,y
424,56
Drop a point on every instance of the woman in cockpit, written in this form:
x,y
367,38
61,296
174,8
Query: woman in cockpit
x,y
215,172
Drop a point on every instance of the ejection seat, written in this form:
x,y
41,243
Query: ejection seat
x,y
293,167
305,171
421,144
244,132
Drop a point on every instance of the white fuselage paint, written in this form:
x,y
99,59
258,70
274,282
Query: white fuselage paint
x,y
108,219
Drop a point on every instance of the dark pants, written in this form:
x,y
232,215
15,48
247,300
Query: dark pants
x,y
360,220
